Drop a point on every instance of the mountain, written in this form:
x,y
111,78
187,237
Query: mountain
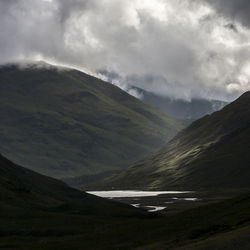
x,y
179,108
36,209
64,123
213,152
39,212
21,188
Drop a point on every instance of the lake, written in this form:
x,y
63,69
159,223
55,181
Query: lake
x,y
152,201
132,193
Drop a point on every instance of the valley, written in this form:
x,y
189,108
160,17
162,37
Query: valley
x,y
124,125
211,153
39,212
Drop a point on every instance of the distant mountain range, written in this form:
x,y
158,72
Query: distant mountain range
x,y
213,152
65,123
179,108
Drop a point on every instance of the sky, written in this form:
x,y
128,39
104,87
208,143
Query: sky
x,y
178,48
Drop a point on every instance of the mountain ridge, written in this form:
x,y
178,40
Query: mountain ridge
x,y
182,109
186,110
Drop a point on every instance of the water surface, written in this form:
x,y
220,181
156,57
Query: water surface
x,y
132,193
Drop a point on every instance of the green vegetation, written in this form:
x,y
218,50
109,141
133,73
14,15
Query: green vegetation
x,y
64,123
39,212
213,152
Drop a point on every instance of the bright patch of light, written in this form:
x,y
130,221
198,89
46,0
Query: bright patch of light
x,y
231,62
79,35
233,87
158,9
191,14
222,36
246,70
130,16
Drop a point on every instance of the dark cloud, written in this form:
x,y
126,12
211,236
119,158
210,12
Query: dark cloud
x,y
237,10
178,48
231,26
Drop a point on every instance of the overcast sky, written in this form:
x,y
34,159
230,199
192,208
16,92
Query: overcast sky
x,y
179,48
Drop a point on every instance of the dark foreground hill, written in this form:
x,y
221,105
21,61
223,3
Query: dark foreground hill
x,y
213,152
65,123
21,188
39,212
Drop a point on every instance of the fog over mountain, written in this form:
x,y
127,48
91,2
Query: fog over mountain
x,y
182,49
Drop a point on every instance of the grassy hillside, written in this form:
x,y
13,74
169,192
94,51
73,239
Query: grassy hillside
x,y
39,212
65,123
212,152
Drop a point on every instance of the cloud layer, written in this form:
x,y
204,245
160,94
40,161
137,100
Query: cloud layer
x,y
180,48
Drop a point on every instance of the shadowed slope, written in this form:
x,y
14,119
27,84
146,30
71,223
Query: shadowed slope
x,y
65,123
24,189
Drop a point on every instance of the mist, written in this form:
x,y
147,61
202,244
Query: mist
x,y
182,49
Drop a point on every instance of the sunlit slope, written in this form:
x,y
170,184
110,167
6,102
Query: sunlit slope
x,y
65,123
213,152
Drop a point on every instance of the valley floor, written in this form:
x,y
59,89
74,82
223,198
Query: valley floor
x,y
220,225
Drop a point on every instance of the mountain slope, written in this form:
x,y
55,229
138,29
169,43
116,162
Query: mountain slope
x,y
36,208
212,152
64,123
24,189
